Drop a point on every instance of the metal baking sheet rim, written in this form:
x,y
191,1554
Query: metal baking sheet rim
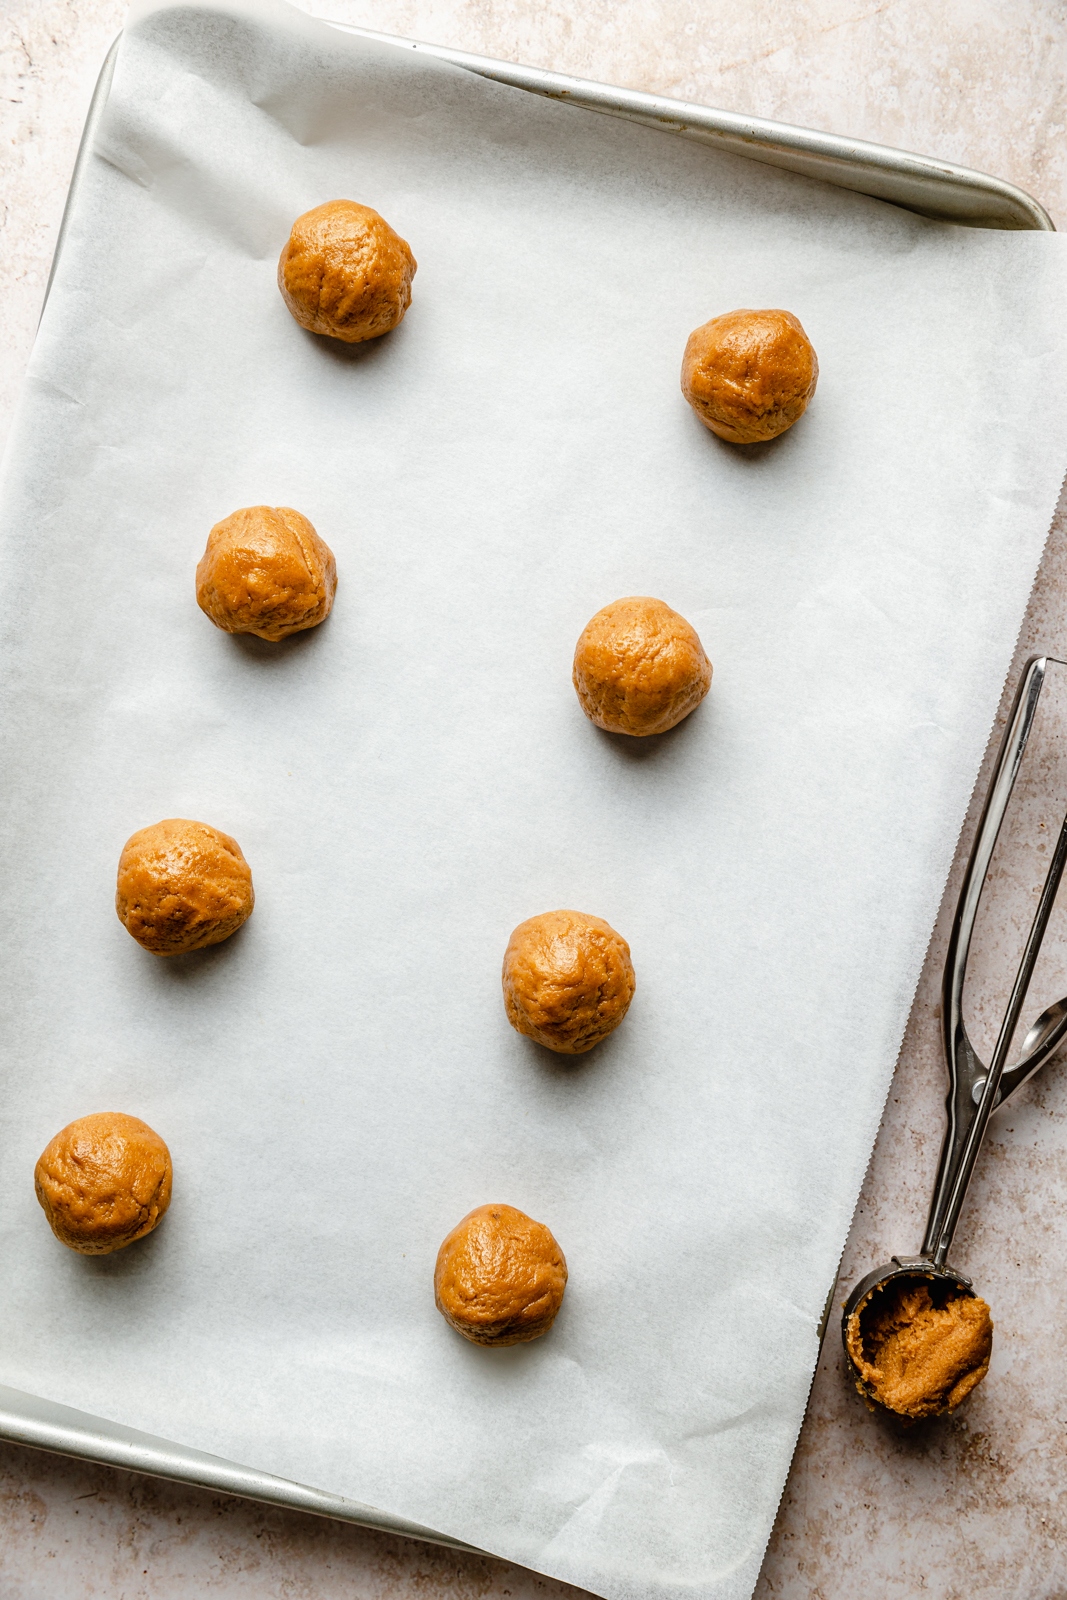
x,y
936,189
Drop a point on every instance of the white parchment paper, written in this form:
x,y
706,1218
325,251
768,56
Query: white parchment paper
x,y
338,1083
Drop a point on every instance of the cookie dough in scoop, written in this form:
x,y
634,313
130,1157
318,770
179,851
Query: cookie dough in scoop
x,y
920,1346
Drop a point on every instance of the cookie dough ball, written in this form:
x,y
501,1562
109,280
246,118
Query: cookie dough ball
x,y
104,1182
345,273
500,1277
182,885
920,1347
568,980
266,571
749,375
639,667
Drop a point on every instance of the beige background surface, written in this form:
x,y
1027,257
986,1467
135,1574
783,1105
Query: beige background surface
x,y
976,1505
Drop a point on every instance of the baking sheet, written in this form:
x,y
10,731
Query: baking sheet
x,y
338,1084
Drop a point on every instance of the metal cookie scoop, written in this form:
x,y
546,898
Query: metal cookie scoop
x,y
975,1091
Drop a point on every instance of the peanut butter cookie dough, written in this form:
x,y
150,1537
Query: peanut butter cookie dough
x,y
568,980
266,571
639,667
182,885
920,1347
345,273
103,1182
500,1277
749,375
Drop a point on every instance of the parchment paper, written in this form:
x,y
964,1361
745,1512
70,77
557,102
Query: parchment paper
x,y
338,1083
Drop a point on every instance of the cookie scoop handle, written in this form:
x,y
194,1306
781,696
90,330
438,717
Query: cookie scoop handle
x,y
974,1091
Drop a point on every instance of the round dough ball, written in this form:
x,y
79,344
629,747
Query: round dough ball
x,y
345,273
639,667
500,1277
104,1182
749,375
568,980
182,885
266,571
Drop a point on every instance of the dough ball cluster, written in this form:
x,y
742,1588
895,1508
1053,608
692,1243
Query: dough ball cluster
x,y
345,273
182,885
749,375
500,1277
639,667
568,980
266,571
103,1182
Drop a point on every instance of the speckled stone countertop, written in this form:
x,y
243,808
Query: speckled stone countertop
x,y
975,1505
